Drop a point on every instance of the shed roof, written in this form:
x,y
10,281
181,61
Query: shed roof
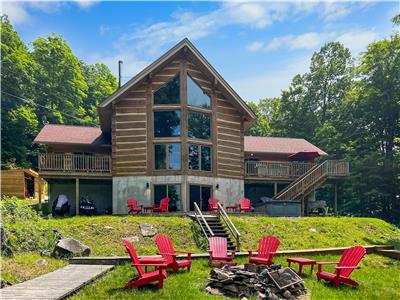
x,y
279,145
70,134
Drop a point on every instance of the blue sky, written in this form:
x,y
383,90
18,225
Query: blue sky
x,y
256,46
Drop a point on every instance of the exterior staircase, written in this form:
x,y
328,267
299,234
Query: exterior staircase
x,y
218,225
313,178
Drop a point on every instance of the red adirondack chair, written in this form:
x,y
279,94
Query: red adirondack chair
x,y
266,250
245,205
163,207
219,254
348,262
133,206
213,204
159,274
166,250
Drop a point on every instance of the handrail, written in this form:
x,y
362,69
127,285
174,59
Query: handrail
x,y
68,162
196,207
276,169
229,224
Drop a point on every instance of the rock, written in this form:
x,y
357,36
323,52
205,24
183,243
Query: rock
x,y
132,239
148,230
4,283
108,228
70,247
287,294
231,288
251,268
93,225
213,291
5,245
312,230
41,262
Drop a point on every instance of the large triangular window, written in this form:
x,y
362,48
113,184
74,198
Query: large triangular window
x,y
169,93
196,96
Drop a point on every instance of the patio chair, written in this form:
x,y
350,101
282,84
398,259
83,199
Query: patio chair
x,y
347,264
245,205
266,250
163,207
133,206
213,204
218,251
144,278
166,250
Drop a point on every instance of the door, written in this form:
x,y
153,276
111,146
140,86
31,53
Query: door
x,y
199,194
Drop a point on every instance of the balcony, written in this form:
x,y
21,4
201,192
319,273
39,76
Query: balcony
x,y
60,163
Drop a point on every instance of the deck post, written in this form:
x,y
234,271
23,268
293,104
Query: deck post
x,y
275,188
77,196
335,199
40,193
302,206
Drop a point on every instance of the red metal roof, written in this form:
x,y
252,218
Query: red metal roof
x,y
69,134
279,145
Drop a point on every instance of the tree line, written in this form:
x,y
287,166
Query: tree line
x,y
350,107
44,83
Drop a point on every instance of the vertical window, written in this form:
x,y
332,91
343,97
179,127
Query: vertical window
x,y
172,191
196,96
167,156
169,93
167,123
199,157
199,125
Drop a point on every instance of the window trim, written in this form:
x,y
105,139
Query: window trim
x,y
180,123
166,156
200,159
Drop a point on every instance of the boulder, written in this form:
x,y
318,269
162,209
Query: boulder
x,y
5,245
132,239
69,247
41,262
148,230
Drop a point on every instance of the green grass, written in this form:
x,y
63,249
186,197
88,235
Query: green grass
x,y
378,278
24,266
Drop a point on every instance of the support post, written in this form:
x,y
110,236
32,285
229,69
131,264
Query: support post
x,y
275,188
77,196
335,199
302,206
40,193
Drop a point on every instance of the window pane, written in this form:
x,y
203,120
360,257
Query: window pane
x,y
167,123
160,155
174,194
196,96
160,191
199,125
194,157
174,157
169,93
206,158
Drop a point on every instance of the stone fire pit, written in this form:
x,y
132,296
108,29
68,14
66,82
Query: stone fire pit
x,y
266,283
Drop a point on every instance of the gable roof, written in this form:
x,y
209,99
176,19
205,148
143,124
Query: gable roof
x,y
69,134
279,145
185,45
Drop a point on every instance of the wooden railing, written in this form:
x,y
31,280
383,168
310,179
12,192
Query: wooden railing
x,y
74,163
276,169
315,176
232,228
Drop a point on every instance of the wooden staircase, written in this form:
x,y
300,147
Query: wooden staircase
x,y
213,225
313,178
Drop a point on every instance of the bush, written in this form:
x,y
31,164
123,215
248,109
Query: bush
x,y
25,229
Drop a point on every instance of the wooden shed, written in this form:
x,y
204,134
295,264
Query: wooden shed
x,y
22,183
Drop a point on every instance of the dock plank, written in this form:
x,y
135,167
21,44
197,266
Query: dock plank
x,y
55,285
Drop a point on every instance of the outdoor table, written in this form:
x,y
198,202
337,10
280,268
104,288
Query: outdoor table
x,y
147,209
231,208
302,262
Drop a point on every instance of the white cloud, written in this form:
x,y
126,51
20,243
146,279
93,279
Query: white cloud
x,y
15,11
357,40
85,4
255,46
104,29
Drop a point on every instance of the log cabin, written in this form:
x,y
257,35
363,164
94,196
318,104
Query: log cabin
x,y
176,129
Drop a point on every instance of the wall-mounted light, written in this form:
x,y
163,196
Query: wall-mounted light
x,y
147,185
217,186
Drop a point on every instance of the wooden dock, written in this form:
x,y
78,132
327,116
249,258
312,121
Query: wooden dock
x,y
55,285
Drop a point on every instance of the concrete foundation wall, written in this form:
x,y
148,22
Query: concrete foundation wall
x,y
124,187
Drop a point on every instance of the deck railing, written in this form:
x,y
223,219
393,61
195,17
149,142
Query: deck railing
x,y
74,163
276,169
228,223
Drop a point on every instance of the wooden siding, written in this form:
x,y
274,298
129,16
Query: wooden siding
x,y
13,183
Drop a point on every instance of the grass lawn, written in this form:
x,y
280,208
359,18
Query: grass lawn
x,y
378,278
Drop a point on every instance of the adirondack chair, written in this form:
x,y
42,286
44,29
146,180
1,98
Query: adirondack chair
x,y
133,206
218,251
348,262
163,207
143,278
166,250
245,205
266,250
213,204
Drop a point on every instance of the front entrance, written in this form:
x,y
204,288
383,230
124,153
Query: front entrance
x,y
199,194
